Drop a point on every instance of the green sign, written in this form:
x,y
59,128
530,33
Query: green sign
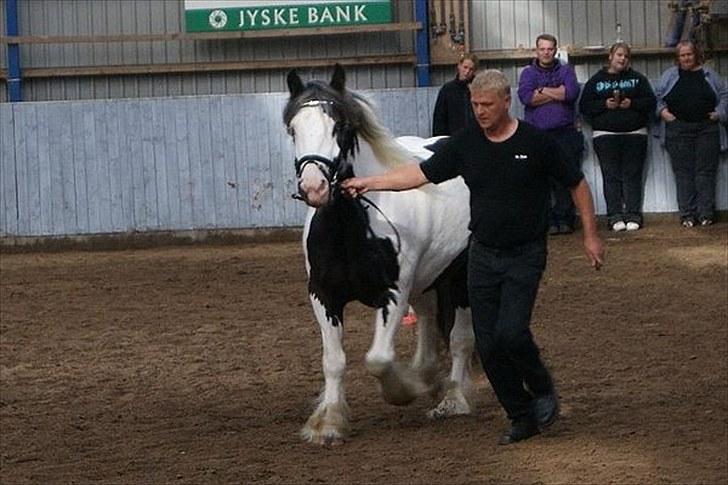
x,y
234,15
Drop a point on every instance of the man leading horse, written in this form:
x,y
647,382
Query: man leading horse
x,y
506,163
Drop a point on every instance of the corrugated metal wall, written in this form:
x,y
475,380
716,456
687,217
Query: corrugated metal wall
x,y
495,24
207,162
108,17
515,24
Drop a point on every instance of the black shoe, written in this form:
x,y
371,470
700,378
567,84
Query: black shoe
x,y
545,409
520,430
553,230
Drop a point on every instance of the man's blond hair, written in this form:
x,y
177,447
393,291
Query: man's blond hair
x,y
491,80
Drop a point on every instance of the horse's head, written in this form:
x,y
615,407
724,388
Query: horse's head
x,y
322,119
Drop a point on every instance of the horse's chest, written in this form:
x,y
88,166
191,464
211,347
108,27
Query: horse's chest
x,y
346,263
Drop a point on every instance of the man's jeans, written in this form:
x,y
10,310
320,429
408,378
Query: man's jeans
x,y
502,285
694,149
571,142
622,159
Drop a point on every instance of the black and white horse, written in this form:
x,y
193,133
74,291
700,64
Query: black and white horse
x,y
387,251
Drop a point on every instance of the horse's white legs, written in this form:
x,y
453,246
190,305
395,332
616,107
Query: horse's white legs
x,y
462,342
329,423
400,384
427,333
426,355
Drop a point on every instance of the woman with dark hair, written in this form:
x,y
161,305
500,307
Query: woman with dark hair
x,y
618,102
693,104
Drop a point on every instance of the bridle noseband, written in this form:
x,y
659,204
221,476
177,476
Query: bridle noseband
x,y
332,166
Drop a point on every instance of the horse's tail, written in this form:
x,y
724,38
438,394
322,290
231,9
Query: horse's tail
x,y
452,293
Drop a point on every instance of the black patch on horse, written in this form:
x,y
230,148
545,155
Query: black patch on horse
x,y
347,262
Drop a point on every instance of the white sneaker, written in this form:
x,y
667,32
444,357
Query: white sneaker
x,y
632,226
619,226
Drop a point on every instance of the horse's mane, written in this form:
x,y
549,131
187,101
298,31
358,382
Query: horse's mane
x,y
356,111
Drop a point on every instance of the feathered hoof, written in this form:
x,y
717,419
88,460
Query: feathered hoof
x,y
401,384
453,404
327,426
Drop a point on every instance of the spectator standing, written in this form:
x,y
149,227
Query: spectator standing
x,y
618,102
549,91
692,102
452,108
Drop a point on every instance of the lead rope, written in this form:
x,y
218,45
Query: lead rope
x,y
369,226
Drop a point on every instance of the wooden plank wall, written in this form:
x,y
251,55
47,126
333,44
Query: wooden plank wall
x,y
208,162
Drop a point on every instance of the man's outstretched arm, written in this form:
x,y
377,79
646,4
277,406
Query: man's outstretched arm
x,y
402,178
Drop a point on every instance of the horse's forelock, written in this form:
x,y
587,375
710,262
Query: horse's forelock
x,y
354,116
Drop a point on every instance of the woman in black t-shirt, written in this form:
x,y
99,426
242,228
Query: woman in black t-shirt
x,y
692,102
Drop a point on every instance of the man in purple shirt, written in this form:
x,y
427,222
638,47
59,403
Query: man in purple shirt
x,y
549,91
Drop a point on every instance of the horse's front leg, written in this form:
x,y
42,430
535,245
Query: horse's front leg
x,y
329,423
400,384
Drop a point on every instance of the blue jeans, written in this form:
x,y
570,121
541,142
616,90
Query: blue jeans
x,y
562,209
502,284
694,149
622,158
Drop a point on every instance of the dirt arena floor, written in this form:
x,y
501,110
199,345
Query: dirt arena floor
x,y
200,364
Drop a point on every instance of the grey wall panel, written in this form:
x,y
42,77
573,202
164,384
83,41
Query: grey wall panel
x,y
207,162
495,24
94,17
506,24
8,180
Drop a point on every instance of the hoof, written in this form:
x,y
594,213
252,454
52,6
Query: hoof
x,y
454,404
328,438
328,425
400,384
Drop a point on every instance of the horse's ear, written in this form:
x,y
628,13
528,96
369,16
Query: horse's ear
x,y
338,80
295,85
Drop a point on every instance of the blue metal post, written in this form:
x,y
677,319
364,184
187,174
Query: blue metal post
x,y
422,44
15,92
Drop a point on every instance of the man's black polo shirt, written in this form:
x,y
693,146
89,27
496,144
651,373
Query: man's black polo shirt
x,y
508,181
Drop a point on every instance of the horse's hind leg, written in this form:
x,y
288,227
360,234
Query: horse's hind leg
x,y
460,386
425,359
329,423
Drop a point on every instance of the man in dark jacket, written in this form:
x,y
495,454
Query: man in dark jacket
x,y
452,109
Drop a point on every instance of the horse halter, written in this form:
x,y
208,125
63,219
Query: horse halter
x,y
330,168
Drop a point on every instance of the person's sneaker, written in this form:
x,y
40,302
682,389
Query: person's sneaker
x,y
545,409
520,430
619,226
706,222
687,223
632,226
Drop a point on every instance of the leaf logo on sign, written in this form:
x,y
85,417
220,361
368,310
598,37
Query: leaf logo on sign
x,y
218,19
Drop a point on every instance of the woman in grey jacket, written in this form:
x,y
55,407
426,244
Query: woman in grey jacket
x,y
692,102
